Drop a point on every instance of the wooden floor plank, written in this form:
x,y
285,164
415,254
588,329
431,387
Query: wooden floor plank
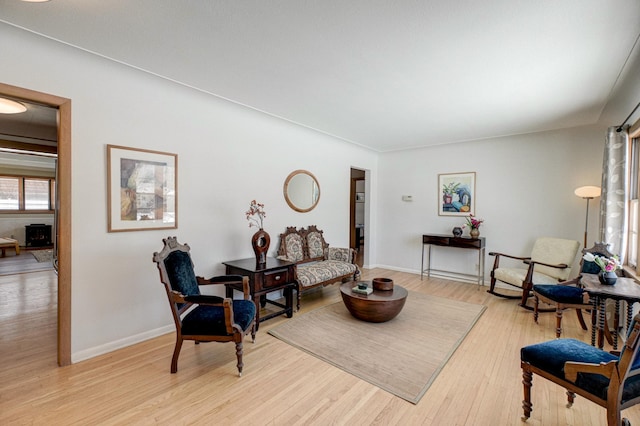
x,y
281,385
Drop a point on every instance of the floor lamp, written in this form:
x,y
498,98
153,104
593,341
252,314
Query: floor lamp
x,y
587,193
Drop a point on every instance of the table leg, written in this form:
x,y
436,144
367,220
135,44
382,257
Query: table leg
x,y
616,324
422,263
601,321
429,261
481,266
629,315
594,314
288,295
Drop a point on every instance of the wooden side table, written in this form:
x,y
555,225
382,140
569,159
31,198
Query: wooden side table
x,y
274,275
6,243
624,289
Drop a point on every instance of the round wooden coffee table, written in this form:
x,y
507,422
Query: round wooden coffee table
x,y
379,306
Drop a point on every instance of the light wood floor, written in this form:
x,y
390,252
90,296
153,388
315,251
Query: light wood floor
x,y
281,385
24,262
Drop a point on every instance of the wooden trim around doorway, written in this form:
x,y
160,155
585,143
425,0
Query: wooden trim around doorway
x,y
63,227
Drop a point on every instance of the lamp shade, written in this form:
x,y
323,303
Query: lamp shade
x,y
588,191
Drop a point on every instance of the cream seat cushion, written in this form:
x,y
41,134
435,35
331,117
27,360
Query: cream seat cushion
x,y
515,276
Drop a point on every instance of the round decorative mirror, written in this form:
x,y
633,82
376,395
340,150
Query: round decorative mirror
x,y
301,191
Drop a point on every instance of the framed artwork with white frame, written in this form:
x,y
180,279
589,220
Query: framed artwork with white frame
x,y
456,194
142,189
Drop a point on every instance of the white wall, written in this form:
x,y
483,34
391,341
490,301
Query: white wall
x,y
227,156
524,189
14,226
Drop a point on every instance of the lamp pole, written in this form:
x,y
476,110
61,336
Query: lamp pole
x,y
586,222
587,193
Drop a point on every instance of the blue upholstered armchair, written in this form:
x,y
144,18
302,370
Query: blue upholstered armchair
x,y
569,294
611,381
199,317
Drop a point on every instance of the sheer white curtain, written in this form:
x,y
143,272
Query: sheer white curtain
x,y
613,201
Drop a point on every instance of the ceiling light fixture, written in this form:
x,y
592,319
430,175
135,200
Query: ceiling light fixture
x,y
7,106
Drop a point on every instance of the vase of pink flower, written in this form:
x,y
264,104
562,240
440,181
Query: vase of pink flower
x,y
474,226
608,267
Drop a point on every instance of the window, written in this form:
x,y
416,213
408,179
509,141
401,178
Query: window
x,y
22,193
633,233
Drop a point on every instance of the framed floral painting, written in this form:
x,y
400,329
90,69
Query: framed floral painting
x,y
456,194
142,189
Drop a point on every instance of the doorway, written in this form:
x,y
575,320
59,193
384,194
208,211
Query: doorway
x,y
357,214
62,233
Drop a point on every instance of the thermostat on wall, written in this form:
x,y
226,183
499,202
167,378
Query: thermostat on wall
x,y
407,198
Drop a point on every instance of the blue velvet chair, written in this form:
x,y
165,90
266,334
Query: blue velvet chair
x,y
198,317
611,381
569,294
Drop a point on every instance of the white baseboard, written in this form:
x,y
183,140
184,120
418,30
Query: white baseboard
x,y
119,344
395,268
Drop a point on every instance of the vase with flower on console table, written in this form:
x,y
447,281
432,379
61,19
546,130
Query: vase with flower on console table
x,y
260,241
474,224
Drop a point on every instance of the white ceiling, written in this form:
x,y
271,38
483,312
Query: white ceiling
x,y
385,74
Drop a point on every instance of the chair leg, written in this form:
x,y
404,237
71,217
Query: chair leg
x,y
614,417
527,381
492,286
558,322
526,292
607,331
176,353
571,397
239,357
581,319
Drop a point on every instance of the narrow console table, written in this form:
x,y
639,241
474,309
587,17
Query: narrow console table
x,y
456,242
274,275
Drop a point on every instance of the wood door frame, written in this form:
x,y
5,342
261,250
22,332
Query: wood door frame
x,y
352,205
352,214
63,228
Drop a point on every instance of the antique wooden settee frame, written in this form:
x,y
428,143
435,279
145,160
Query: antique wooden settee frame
x,y
317,264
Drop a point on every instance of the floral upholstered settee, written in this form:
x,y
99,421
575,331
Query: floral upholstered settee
x,y
317,264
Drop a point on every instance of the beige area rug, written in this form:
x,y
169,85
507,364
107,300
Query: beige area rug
x,y
402,356
42,255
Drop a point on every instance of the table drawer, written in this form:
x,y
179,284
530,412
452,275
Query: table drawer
x,y
275,278
437,240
